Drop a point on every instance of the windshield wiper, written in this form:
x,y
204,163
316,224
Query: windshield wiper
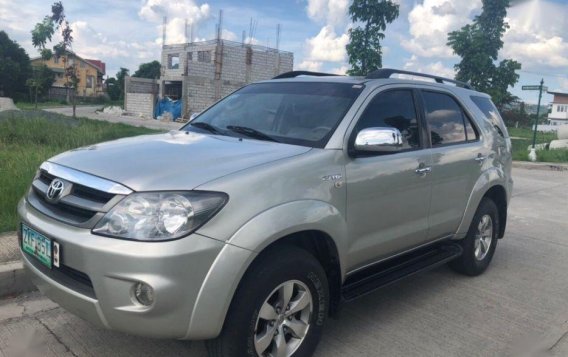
x,y
250,132
206,126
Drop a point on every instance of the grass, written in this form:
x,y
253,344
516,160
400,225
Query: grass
x,y
30,137
523,138
53,104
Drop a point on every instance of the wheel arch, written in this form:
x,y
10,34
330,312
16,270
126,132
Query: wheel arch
x,y
493,184
498,195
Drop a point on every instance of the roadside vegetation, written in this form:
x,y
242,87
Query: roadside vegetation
x,y
521,138
28,138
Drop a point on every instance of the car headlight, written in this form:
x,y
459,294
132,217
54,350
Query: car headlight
x,y
155,216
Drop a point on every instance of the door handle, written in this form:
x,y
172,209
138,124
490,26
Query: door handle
x,y
423,170
480,158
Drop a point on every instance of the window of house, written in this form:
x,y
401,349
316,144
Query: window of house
x,y
55,59
446,119
393,109
173,61
82,64
190,56
204,56
90,81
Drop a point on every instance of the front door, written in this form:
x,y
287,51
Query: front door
x,y
387,198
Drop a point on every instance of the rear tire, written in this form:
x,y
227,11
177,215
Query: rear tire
x,y
481,241
256,324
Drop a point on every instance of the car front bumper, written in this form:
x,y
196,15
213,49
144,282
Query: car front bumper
x,y
97,274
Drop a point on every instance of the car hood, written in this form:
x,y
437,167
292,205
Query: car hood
x,y
177,160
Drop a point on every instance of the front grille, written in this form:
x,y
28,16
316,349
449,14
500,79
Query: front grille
x,y
78,204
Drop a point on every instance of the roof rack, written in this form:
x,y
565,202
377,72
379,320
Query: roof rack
x,y
388,72
293,74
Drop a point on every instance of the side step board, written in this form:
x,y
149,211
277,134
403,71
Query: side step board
x,y
382,274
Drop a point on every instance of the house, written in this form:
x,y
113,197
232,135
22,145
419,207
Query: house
x,y
200,73
559,109
89,71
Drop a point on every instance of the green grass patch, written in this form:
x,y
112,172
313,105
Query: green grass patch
x,y
521,138
30,137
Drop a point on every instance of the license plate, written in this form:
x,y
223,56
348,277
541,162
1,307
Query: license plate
x,y
37,245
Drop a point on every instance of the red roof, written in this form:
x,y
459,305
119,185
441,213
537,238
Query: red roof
x,y
99,64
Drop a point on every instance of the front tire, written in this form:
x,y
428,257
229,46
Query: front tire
x,y
279,308
481,241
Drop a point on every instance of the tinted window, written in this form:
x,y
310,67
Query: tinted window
x,y
469,130
491,113
290,112
445,118
393,109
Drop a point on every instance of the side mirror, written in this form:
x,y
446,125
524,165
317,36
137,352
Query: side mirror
x,y
378,140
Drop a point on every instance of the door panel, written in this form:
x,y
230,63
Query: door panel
x,y
454,170
387,207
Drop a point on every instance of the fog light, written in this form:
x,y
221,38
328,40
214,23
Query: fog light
x,y
144,294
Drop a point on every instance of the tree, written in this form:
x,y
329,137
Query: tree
x,y
478,45
364,48
120,80
113,88
149,70
15,67
42,79
42,34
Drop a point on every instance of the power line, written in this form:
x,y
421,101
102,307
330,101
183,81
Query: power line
x,y
558,75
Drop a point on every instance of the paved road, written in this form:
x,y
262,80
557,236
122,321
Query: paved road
x,y
519,307
90,112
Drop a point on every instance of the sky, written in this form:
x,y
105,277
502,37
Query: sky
x,y
125,33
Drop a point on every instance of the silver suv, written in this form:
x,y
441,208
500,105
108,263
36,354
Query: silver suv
x,y
253,223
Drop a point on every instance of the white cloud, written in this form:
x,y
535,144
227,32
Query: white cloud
x,y
534,40
308,65
155,10
436,68
328,12
430,23
342,70
327,46
177,12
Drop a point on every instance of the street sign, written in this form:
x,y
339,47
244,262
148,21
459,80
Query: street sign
x,y
544,89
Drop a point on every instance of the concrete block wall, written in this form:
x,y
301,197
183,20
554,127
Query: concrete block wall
x,y
140,103
201,88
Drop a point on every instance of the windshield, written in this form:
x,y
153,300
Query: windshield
x,y
288,112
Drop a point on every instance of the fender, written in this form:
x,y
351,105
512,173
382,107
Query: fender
x,y
222,280
491,177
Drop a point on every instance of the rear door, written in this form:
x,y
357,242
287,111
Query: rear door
x,y
457,159
387,199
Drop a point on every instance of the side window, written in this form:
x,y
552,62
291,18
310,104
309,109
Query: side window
x,y
446,119
491,113
469,130
393,109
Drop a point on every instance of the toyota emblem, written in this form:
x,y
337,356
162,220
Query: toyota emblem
x,y
55,189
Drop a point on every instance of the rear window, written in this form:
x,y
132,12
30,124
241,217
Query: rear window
x,y
445,118
491,113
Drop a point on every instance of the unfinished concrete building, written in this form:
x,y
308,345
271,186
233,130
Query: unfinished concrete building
x,y
200,73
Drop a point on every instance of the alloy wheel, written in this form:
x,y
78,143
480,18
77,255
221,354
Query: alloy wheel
x,y
283,320
483,237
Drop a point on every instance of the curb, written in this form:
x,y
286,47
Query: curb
x,y
14,279
546,166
